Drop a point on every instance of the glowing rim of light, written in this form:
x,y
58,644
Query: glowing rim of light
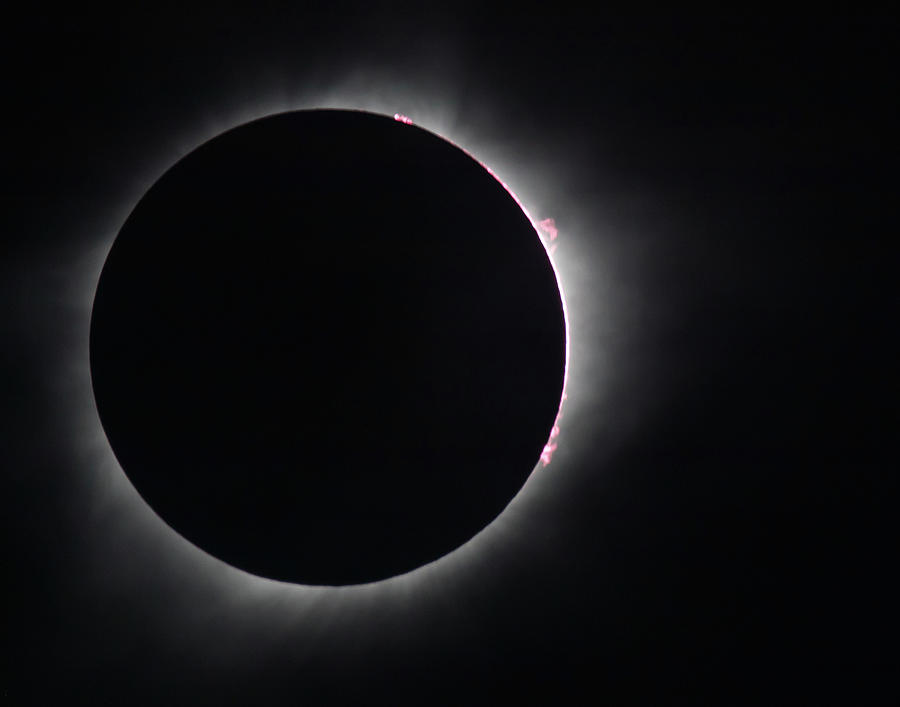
x,y
228,573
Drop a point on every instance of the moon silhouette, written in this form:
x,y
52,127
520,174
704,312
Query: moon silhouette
x,y
327,347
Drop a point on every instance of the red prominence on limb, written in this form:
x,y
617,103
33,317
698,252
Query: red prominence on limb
x,y
548,232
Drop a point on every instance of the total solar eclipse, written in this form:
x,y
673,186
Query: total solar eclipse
x,y
327,347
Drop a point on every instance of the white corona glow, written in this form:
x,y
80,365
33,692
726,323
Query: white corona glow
x,y
116,508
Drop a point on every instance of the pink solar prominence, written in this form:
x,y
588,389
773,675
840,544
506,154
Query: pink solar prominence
x,y
548,233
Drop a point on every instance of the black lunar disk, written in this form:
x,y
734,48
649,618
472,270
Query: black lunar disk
x,y
327,347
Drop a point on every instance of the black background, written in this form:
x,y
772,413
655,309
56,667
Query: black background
x,y
717,525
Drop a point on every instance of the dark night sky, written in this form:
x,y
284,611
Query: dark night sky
x,y
716,526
